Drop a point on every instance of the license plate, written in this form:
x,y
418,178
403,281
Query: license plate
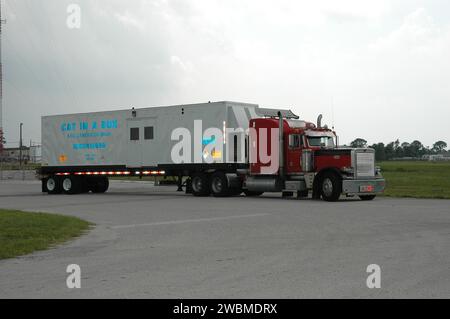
x,y
366,188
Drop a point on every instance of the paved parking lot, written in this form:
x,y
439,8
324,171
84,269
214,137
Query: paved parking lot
x,y
152,242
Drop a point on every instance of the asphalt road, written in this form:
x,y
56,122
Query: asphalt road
x,y
152,242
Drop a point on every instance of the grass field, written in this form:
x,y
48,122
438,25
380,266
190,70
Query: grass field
x,y
22,233
417,179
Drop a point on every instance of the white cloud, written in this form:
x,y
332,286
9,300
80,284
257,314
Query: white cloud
x,y
130,20
418,33
378,61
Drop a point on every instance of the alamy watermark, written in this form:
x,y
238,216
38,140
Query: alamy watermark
x,y
374,279
208,146
73,281
73,20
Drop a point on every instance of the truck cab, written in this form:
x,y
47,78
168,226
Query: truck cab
x,y
310,160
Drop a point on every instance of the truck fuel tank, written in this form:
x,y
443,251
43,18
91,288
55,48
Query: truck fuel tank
x,y
264,184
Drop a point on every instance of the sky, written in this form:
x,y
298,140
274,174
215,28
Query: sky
x,y
378,70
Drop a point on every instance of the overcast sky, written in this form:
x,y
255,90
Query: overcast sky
x,y
383,65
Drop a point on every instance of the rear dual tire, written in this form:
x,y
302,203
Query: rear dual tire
x,y
98,185
53,185
200,185
219,185
72,185
216,184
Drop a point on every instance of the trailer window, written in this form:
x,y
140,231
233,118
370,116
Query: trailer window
x,y
148,133
134,134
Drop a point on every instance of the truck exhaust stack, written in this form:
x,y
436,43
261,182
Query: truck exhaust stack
x,y
319,121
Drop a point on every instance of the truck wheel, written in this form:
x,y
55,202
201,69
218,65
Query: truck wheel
x,y
200,185
71,185
53,185
252,194
367,197
330,187
100,185
219,185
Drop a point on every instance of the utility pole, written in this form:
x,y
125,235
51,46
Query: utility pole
x,y
1,82
20,146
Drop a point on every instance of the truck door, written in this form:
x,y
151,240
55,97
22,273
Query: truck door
x,y
294,153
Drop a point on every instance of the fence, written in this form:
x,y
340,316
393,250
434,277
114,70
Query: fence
x,y
19,163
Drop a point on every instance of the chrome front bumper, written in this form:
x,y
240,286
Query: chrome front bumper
x,y
363,186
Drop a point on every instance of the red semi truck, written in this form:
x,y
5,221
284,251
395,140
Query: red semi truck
x,y
273,151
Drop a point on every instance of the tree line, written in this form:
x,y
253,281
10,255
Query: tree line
x,y
397,149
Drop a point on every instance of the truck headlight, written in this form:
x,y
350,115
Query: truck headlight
x,y
347,170
377,170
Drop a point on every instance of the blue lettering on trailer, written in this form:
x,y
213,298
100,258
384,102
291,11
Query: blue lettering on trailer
x,y
83,146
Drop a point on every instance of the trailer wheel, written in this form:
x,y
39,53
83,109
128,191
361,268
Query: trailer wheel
x,y
367,197
53,185
330,187
219,185
100,185
71,185
252,194
200,185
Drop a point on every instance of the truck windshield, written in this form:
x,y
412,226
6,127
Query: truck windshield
x,y
321,141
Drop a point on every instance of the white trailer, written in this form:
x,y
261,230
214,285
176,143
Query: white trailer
x,y
134,138
89,147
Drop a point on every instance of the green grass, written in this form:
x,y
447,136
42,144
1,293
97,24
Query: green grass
x,y
417,179
23,233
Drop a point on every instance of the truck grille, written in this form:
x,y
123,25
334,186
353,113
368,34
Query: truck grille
x,y
365,164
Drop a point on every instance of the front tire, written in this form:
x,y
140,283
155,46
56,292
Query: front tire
x,y
200,185
330,187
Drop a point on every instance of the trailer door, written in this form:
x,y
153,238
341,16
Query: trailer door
x,y
141,142
134,148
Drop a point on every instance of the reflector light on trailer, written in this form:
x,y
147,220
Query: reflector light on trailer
x,y
114,173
